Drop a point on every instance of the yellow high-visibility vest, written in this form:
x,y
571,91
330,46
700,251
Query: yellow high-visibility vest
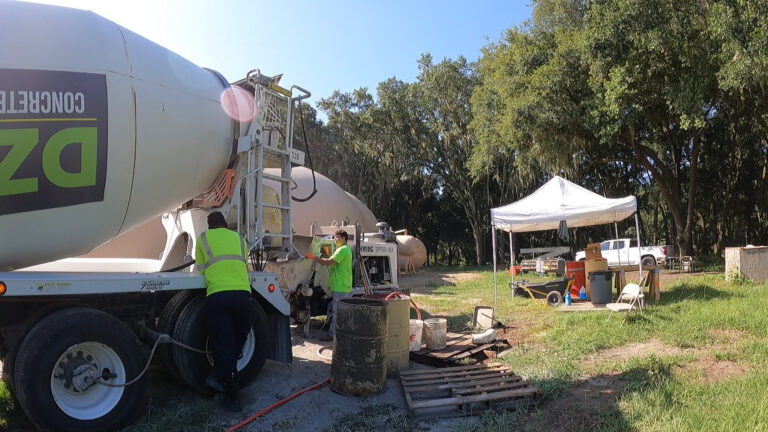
x,y
220,257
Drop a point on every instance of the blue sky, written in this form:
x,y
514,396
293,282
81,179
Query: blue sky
x,y
321,46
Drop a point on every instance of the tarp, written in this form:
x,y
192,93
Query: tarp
x,y
557,200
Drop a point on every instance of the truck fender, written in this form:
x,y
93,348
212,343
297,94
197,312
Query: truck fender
x,y
265,285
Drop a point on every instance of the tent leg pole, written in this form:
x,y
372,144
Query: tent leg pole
x,y
616,230
511,250
639,257
495,289
512,256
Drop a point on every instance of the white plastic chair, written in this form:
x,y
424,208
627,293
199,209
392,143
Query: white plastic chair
x,y
630,299
686,264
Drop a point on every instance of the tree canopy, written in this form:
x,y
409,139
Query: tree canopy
x,y
663,100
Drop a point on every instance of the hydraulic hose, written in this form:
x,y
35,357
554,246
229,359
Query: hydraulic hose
x,y
309,157
159,338
399,294
177,268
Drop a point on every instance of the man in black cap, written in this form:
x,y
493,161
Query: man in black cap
x,y
221,257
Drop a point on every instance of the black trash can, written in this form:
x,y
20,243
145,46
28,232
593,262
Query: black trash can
x,y
600,286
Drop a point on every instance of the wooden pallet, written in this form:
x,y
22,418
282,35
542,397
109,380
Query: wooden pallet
x,y
457,347
464,390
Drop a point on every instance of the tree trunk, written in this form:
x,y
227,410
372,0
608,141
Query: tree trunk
x,y
668,181
478,233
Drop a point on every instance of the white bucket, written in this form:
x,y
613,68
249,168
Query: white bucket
x,y
414,339
435,330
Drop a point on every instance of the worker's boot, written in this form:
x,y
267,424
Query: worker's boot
x,y
231,399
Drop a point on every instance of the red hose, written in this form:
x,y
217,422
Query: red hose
x,y
399,294
277,404
318,385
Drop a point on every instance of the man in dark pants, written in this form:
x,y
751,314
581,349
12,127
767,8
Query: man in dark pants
x,y
221,257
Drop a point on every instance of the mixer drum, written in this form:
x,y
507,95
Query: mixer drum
x,y
100,131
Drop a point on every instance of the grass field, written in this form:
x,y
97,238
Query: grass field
x,y
696,361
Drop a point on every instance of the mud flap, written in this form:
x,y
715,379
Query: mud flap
x,y
281,348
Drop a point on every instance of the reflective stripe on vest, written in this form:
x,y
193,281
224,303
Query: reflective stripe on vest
x,y
212,260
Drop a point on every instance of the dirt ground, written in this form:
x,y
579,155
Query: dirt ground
x,y
318,409
315,410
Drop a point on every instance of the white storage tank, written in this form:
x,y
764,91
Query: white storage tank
x,y
100,131
330,204
412,254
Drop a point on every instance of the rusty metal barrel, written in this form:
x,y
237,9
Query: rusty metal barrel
x,y
398,331
359,365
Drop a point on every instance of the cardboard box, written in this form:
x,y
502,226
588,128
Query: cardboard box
x,y
593,251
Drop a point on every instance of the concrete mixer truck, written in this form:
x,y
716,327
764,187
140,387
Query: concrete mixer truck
x,y
104,134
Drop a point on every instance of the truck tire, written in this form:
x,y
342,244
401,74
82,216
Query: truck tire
x,y
194,367
56,360
30,321
648,261
166,323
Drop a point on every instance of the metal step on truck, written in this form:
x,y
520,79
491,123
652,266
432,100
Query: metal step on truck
x,y
106,138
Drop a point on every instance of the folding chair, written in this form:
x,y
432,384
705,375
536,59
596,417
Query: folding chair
x,y
630,299
686,264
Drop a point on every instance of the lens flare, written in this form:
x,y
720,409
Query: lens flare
x,y
238,104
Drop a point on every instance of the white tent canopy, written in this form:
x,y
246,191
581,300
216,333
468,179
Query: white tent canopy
x,y
559,200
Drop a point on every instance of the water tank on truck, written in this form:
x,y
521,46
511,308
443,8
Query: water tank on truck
x,y
100,130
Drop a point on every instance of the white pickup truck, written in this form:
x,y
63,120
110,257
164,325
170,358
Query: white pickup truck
x,y
625,252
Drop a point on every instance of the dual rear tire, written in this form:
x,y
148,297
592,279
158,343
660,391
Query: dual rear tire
x,y
64,360
193,367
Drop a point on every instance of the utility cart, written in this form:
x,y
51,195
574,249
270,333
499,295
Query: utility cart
x,y
551,292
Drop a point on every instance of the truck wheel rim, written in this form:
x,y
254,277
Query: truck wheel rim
x,y
249,347
73,380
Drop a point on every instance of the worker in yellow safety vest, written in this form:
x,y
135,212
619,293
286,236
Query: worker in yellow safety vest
x,y
220,255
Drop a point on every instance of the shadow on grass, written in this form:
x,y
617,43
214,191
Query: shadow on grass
x,y
427,281
593,403
694,292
